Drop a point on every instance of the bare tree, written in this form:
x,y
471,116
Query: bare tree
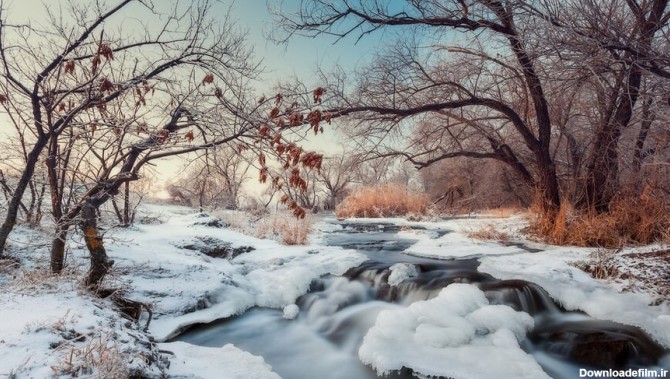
x,y
617,42
81,90
77,66
493,97
336,176
215,179
547,88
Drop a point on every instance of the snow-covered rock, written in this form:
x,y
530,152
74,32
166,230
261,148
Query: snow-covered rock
x,y
291,311
457,334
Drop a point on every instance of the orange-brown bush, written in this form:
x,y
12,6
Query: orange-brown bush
x,y
631,220
383,201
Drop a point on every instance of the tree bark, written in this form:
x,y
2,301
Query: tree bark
x,y
602,177
58,249
547,183
647,119
100,262
58,243
126,205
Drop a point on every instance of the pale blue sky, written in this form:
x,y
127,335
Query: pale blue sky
x,y
301,55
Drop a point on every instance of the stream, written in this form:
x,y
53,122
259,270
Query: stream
x,y
323,341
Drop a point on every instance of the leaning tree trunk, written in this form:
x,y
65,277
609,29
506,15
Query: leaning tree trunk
x,y
15,202
100,262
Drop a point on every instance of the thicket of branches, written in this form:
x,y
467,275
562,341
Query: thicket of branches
x,y
98,97
569,96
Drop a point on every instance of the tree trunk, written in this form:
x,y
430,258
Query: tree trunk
x,y
100,262
58,249
117,211
647,119
550,200
547,183
602,177
14,203
37,215
126,205
58,243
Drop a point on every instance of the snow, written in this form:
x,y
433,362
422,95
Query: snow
x,y
58,331
456,243
401,272
48,325
227,362
456,334
577,290
183,287
291,311
178,282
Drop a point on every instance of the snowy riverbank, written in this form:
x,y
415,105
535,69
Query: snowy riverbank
x,y
52,327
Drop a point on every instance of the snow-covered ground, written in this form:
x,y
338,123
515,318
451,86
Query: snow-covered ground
x,y
45,320
53,328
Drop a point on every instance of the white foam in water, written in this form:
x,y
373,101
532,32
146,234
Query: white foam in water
x,y
457,334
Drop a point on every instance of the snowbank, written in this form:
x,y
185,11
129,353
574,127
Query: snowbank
x,y
577,290
41,324
227,362
457,334
187,287
53,330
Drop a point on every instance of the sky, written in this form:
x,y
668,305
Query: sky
x,y
299,58
301,55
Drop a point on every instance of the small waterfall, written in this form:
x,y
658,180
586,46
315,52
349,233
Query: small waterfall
x,y
520,295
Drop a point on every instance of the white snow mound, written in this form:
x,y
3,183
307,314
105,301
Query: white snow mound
x,y
401,272
456,334
227,362
291,311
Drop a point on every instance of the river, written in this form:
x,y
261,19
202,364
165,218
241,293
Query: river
x,y
323,341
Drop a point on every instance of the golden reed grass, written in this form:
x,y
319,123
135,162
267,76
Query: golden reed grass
x,y
386,200
631,220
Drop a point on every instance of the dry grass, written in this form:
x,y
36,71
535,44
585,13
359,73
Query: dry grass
x,y
100,356
27,280
383,201
9,265
631,220
602,264
278,226
295,232
489,232
284,228
502,212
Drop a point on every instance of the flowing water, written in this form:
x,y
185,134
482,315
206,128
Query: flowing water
x,y
336,314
